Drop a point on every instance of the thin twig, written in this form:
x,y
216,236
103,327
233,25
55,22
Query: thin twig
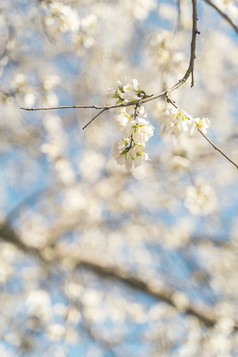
x,y
147,98
171,101
67,107
216,148
103,110
190,69
223,14
178,15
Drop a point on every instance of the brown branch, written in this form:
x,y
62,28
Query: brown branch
x,y
213,241
178,15
206,315
102,108
8,234
171,101
105,269
95,116
223,14
216,148
72,107
29,199
190,69
146,98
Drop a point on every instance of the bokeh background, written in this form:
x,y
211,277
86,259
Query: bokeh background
x,y
96,260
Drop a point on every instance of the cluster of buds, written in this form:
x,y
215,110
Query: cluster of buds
x,y
135,130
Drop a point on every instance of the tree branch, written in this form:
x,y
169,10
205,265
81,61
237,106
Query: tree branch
x,y
178,3
205,314
223,14
146,98
216,148
8,234
109,271
95,116
190,69
169,100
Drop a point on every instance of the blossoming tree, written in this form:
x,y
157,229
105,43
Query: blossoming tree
x,y
118,178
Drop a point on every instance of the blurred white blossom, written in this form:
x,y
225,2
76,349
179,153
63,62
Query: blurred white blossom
x,y
140,8
21,85
39,303
163,49
85,37
55,332
62,18
201,199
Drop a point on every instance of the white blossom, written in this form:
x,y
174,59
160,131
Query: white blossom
x,y
88,22
178,162
141,130
55,332
84,39
140,8
126,92
129,154
122,119
202,124
200,199
50,81
119,150
177,122
163,50
62,18
129,125
136,155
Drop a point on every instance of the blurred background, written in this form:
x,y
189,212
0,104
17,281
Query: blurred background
x,y
96,260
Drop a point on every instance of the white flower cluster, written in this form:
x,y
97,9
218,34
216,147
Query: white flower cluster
x,y
129,92
163,47
140,9
20,85
136,131
84,39
178,121
62,18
